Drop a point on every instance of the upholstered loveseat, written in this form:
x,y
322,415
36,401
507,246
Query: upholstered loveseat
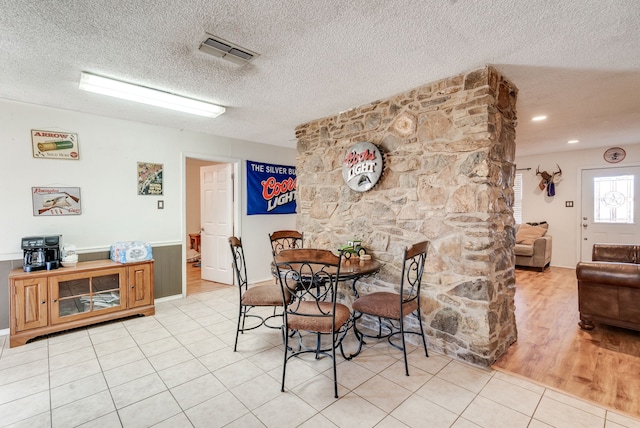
x,y
533,245
609,287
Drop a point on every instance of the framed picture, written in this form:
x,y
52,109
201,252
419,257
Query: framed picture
x,y
54,145
55,201
149,178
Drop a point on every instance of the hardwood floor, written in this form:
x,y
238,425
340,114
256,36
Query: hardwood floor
x,y
195,284
602,365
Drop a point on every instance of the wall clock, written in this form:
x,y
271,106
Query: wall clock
x,y
614,154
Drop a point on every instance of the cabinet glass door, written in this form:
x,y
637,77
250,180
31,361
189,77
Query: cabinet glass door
x,y
77,296
71,294
106,292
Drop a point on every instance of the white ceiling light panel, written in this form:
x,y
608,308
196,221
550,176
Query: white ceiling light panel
x,y
115,88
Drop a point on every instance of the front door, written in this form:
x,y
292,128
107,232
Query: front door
x,y
610,207
216,216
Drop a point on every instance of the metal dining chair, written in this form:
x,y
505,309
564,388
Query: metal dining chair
x,y
393,307
313,310
254,296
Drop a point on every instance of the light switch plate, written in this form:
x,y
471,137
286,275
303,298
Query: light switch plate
x,y
160,205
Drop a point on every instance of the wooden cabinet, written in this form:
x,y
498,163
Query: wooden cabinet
x,y
44,302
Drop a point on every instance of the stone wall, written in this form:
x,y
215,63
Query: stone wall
x,y
449,150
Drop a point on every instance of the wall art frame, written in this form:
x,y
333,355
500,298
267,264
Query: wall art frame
x,y
56,201
54,145
150,178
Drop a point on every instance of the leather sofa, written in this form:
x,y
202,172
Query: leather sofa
x,y
609,287
534,252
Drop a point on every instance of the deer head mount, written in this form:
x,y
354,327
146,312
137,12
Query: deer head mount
x,y
548,180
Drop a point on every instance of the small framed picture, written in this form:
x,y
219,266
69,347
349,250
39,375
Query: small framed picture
x,y
149,178
54,145
55,201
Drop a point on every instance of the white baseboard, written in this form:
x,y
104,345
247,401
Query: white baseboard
x,y
4,332
168,298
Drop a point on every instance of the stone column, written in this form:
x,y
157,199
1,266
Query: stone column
x,y
449,149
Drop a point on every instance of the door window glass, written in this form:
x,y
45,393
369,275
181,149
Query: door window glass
x,y
613,199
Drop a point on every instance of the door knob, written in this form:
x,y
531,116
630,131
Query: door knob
x,y
584,225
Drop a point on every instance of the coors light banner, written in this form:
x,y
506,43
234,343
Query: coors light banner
x,y
271,189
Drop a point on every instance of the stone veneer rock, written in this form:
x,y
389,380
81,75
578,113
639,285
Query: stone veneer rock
x,y
449,149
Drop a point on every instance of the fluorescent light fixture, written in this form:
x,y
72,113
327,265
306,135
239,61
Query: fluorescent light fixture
x,y
538,118
115,88
573,141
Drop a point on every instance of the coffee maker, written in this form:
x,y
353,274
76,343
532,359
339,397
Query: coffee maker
x,y
41,252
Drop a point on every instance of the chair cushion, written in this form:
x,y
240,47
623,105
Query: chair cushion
x,y
523,250
320,324
527,234
384,304
263,295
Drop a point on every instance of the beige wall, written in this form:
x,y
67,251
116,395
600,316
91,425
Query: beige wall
x,y
564,222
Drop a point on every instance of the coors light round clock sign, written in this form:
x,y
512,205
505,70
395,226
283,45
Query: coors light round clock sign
x,y
362,166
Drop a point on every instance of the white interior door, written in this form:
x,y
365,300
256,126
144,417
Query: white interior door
x,y
610,207
216,216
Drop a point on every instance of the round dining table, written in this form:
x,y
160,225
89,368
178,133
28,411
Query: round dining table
x,y
356,268
353,269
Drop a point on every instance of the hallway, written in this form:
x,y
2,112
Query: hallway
x,y
195,284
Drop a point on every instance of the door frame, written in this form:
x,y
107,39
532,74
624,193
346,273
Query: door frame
x,y
579,197
237,224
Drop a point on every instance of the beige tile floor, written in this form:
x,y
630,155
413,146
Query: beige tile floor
x,y
178,369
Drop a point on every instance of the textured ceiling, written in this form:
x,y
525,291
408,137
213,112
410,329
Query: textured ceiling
x,y
577,61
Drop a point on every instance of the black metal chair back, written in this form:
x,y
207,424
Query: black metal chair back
x,y
412,270
239,265
285,240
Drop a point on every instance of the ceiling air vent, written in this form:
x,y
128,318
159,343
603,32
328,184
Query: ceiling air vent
x,y
226,50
